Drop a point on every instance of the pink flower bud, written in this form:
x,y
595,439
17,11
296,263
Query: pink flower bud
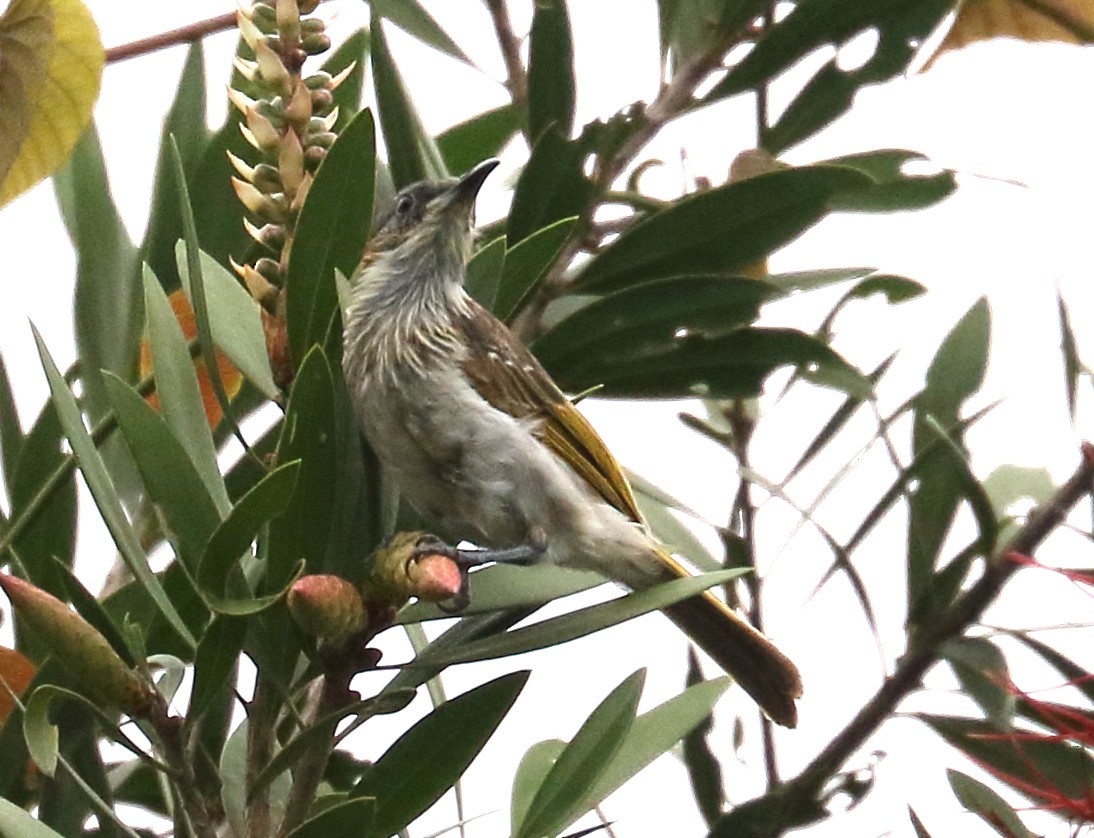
x,y
326,607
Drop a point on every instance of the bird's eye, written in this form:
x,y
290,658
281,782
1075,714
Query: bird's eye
x,y
406,203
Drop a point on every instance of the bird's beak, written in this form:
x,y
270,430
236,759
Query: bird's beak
x,y
465,191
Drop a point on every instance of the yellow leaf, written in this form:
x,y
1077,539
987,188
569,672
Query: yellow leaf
x,y
51,63
1071,21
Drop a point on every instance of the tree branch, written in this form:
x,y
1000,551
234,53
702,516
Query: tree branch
x,y
509,44
926,649
183,35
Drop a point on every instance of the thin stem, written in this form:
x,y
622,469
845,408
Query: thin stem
x,y
308,771
183,782
183,35
743,522
260,741
925,650
763,105
516,76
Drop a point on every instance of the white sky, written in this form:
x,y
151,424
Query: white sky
x,y
1004,111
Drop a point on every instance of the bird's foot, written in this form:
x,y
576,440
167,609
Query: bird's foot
x,y
467,560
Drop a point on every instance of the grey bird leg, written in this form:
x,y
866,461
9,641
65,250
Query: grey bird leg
x,y
467,560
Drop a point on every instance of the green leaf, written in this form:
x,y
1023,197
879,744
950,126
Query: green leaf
x,y
484,273
51,534
551,187
479,138
18,823
704,769
534,766
647,316
320,732
216,658
353,817
185,126
561,796
235,320
330,234
551,85
233,538
233,793
954,375
412,154
41,734
11,432
576,624
795,281
347,97
526,264
982,672
1040,767
1072,364
720,230
893,190
309,434
411,17
729,366
170,477
102,491
655,733
978,798
108,311
53,63
427,760
901,25
917,824
504,586
178,391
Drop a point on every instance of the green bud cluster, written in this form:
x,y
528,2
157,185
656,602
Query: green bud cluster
x,y
289,123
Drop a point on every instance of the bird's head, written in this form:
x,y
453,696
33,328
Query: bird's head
x,y
432,214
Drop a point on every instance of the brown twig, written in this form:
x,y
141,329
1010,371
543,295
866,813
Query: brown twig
x,y
516,76
183,35
926,649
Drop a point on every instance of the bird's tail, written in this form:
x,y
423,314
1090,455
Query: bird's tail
x,y
764,672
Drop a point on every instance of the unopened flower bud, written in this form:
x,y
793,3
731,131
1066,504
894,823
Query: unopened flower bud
x,y
273,72
321,100
313,156
315,43
313,25
298,112
434,577
266,178
270,235
307,6
405,567
322,139
269,269
78,646
318,80
264,17
326,607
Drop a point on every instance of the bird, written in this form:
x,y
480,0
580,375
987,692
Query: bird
x,y
479,438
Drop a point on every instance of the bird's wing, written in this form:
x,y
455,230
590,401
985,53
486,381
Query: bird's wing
x,y
510,378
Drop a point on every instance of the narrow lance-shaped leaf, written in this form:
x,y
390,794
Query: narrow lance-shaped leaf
x,y
412,154
412,17
426,760
561,796
196,290
576,624
330,234
978,798
954,375
185,123
102,491
235,320
169,475
11,432
479,138
526,264
551,85
721,229
177,388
